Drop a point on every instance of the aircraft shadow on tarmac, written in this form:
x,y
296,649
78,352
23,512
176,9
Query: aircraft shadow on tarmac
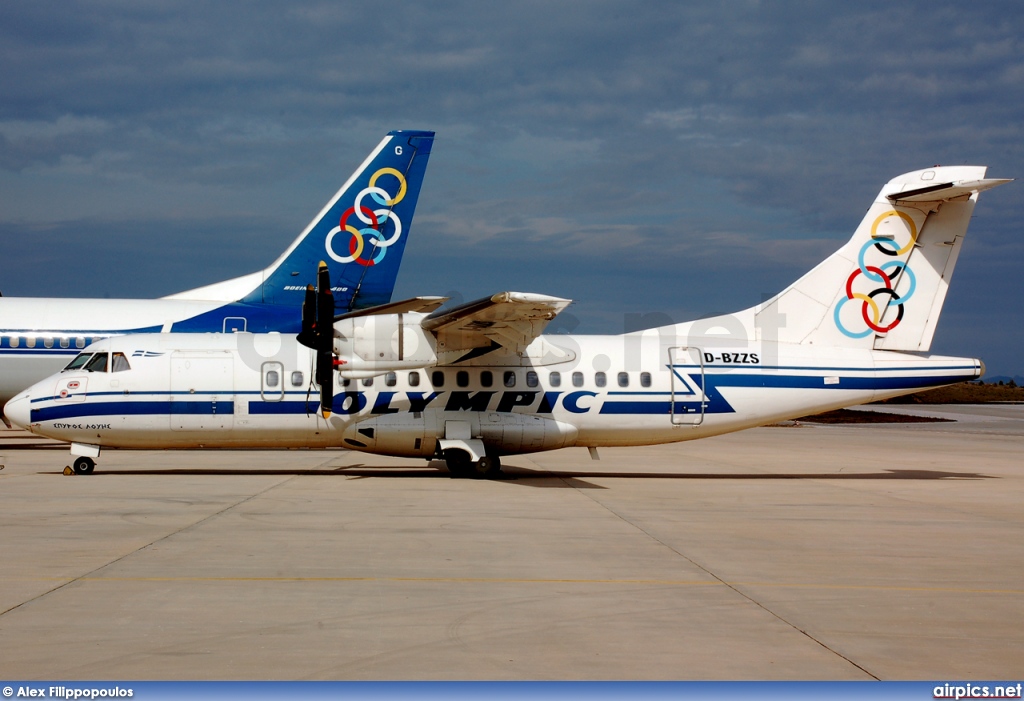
x,y
6,447
541,478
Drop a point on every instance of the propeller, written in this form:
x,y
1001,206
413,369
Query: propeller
x,y
318,333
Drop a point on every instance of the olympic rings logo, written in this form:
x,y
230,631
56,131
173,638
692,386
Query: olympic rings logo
x,y
872,310
373,221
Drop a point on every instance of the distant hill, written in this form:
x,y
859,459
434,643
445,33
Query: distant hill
x,y
967,393
848,416
1005,379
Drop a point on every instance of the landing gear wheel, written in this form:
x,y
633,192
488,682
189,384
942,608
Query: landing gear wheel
x,y
459,463
487,467
84,466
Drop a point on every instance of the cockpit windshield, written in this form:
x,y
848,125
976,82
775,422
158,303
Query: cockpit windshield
x,y
98,363
79,361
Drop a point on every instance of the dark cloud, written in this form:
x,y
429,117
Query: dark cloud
x,y
680,158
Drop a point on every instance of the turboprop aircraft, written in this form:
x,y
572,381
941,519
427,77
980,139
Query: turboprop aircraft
x,y
361,233
480,381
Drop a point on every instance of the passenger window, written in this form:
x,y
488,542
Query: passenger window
x,y
414,379
119,363
577,379
600,379
47,343
486,378
531,378
462,378
15,341
437,378
98,363
79,342
80,360
510,378
391,379
645,379
273,378
555,379
30,342
64,342
367,382
298,379
623,379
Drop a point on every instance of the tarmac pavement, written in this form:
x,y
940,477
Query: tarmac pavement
x,y
803,552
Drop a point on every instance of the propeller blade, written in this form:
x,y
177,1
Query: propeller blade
x,y
325,365
307,336
324,339
324,310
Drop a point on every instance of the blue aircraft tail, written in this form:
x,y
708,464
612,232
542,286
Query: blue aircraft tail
x,y
361,233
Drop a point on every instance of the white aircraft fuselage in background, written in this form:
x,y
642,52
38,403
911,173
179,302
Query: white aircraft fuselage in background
x,y
361,232
480,381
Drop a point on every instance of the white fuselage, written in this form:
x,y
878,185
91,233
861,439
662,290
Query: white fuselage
x,y
253,390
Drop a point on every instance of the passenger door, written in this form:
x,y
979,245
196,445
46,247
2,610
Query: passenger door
x,y
687,398
202,391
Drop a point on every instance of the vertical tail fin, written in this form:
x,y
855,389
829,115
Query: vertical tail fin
x,y
885,288
361,233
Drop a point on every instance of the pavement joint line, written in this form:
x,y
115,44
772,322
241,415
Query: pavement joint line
x,y
93,571
733,586
521,580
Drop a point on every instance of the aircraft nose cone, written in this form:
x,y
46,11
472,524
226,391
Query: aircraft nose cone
x,y
17,410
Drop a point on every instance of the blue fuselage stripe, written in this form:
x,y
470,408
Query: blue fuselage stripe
x,y
271,408
80,410
817,381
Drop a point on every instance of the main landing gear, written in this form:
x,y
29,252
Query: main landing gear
x,y
84,466
460,464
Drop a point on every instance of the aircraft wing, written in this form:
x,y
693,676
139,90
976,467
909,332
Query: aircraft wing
x,y
508,319
415,304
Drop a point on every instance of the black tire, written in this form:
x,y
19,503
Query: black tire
x,y
487,467
458,462
84,466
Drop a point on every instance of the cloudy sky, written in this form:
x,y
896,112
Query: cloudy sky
x,y
654,161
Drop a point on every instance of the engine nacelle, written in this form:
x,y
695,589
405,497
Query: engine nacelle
x,y
408,434
372,345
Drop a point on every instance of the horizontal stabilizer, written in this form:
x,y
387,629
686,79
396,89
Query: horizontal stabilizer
x,y
946,191
414,304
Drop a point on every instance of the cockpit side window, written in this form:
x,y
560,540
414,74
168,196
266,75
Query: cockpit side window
x,y
79,361
98,363
120,363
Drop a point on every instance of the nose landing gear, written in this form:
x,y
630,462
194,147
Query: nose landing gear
x,y
84,466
